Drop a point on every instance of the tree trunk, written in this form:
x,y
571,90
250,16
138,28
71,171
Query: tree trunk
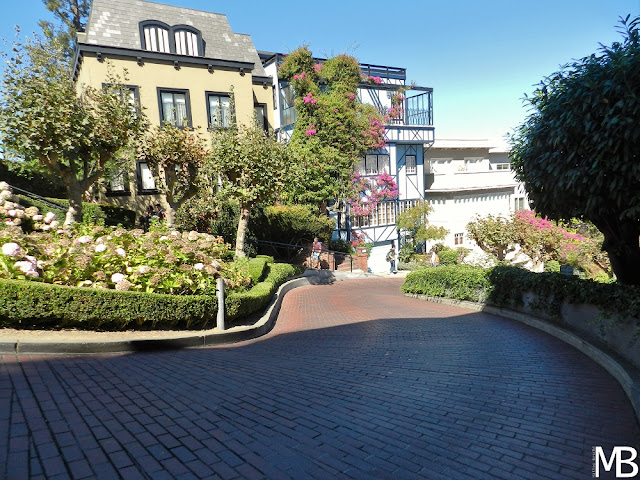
x,y
243,222
169,211
622,244
74,213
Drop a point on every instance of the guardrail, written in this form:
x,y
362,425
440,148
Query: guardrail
x,y
35,196
333,257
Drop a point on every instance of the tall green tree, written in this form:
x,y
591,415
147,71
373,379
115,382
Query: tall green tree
x,y
333,130
72,17
248,165
175,157
578,152
414,222
75,137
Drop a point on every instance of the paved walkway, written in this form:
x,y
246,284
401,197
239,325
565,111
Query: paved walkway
x,y
355,381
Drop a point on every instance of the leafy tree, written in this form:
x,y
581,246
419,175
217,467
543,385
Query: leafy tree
x,y
43,119
175,156
72,15
414,221
250,166
578,151
494,235
333,130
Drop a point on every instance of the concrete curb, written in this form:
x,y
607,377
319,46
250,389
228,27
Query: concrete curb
x,y
201,338
627,375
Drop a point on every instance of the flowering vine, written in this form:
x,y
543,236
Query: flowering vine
x,y
367,193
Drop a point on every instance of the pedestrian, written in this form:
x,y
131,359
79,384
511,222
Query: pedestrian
x,y
435,260
391,258
316,250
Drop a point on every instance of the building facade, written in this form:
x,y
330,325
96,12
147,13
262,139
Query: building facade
x,y
465,179
181,65
408,133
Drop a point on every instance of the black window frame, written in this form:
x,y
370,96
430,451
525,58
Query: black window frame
x,y
232,118
143,191
156,23
171,35
187,97
265,120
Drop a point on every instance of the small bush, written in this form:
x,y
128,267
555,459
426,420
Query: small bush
x,y
448,257
242,304
257,268
552,266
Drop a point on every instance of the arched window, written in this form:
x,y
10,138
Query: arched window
x,y
187,41
155,36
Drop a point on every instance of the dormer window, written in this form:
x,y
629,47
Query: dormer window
x,y
156,37
187,42
179,39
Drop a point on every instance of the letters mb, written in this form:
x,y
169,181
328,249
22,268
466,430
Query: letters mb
x,y
619,456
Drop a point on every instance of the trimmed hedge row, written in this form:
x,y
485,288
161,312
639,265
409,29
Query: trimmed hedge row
x,y
35,305
242,304
461,282
257,268
504,286
26,304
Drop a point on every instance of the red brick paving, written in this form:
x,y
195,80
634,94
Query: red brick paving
x,y
355,381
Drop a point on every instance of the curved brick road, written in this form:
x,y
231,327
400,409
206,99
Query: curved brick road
x,y
355,381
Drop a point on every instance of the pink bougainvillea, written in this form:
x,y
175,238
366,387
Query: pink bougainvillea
x,y
308,98
311,130
368,193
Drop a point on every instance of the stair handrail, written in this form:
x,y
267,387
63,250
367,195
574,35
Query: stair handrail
x,y
40,198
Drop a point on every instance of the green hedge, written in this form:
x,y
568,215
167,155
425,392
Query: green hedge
x,y
28,304
503,286
242,304
257,268
461,282
448,257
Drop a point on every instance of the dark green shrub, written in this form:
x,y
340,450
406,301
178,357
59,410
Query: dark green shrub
x,y
461,282
15,174
294,224
92,213
504,286
268,258
27,304
340,245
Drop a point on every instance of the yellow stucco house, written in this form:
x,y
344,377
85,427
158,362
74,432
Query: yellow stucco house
x,y
182,66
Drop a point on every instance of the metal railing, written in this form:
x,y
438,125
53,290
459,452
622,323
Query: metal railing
x,y
298,252
39,198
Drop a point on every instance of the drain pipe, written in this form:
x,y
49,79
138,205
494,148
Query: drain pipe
x,y
220,296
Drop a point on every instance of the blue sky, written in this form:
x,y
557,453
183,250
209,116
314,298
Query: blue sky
x,y
481,58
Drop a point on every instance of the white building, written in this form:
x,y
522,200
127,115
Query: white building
x,y
466,179
407,137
